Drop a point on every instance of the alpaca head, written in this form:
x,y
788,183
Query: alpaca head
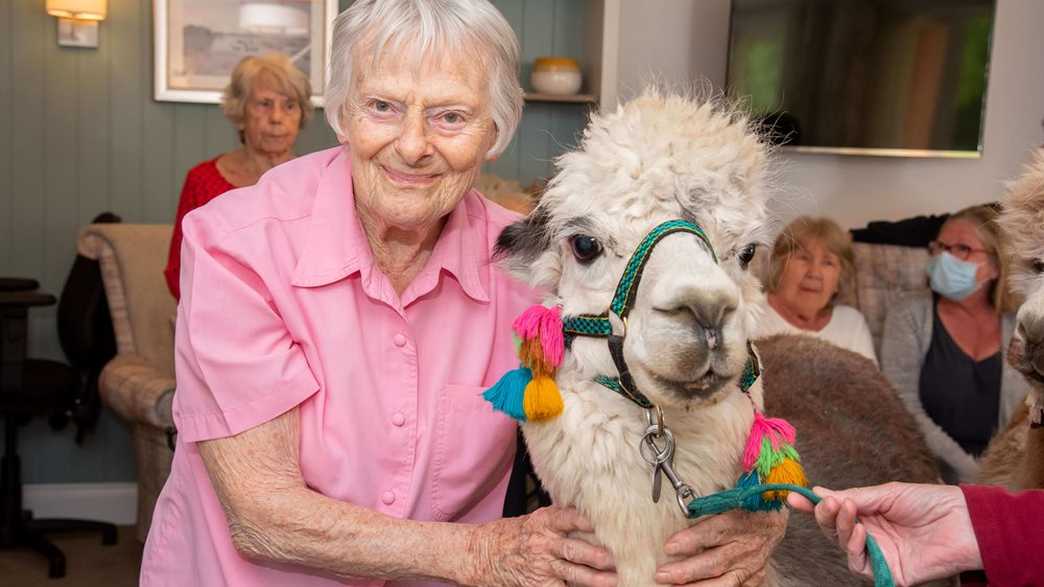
x,y
660,157
1022,222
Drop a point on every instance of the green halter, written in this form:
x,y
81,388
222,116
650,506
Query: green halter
x,y
601,326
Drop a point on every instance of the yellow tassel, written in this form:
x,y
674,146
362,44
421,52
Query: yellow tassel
x,y
542,400
789,471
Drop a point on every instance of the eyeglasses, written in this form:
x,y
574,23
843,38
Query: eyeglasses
x,y
961,251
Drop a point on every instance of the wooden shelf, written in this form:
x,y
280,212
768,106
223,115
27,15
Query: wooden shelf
x,y
572,98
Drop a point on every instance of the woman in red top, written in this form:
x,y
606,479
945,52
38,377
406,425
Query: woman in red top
x,y
267,100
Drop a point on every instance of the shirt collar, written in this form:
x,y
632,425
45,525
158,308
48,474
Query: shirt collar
x,y
336,246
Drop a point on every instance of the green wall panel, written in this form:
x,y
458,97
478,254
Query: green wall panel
x,y
81,134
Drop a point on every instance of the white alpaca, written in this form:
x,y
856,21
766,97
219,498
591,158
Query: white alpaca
x,y
657,158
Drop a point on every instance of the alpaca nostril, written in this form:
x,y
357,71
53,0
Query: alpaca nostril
x,y
712,317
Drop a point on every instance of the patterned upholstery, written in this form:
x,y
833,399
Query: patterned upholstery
x,y
507,193
138,384
885,273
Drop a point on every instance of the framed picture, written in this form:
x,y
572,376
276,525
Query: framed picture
x,y
199,42
77,33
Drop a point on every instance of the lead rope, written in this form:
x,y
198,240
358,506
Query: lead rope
x,y
735,498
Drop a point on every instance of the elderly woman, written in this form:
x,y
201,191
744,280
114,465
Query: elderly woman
x,y
944,351
339,322
268,101
810,259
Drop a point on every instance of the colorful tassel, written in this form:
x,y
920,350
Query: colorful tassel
x,y
542,324
756,502
789,472
770,456
508,393
776,430
531,354
542,400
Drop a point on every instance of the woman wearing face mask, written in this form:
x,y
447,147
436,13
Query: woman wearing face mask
x,y
810,260
944,351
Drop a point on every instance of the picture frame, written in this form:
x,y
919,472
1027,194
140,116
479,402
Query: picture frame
x,y
82,34
197,43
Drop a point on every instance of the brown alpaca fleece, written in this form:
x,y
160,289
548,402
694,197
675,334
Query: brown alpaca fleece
x,y
1015,457
852,431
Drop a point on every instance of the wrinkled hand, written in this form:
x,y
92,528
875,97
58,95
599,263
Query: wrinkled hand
x,y
725,550
924,531
536,551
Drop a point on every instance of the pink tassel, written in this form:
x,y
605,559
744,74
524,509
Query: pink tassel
x,y
544,324
779,431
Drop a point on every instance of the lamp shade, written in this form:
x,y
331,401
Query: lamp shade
x,y
78,9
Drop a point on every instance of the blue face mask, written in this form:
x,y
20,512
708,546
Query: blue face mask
x,y
952,278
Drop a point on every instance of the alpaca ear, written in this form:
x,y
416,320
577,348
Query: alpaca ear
x,y
522,243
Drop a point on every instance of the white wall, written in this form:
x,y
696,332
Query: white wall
x,y
676,40
687,39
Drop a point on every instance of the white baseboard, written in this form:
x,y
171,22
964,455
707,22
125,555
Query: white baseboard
x,y
107,502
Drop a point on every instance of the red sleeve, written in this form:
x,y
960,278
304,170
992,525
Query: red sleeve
x,y
186,203
203,183
1009,528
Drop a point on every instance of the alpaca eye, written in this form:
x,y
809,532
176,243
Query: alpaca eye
x,y
1038,265
585,248
746,255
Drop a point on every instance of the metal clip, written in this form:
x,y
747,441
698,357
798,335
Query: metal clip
x,y
657,448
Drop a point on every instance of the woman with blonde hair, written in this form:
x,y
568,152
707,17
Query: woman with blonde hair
x,y
267,100
811,259
944,351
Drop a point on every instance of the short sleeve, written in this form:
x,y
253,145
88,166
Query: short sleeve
x,y
862,340
236,363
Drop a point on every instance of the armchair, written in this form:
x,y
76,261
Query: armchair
x,y
138,384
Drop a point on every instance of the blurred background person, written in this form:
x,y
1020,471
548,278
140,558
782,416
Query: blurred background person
x,y
268,102
810,259
944,350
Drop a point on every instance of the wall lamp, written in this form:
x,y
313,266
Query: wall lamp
x,y
78,21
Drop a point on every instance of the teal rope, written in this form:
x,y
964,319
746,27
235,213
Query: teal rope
x,y
732,499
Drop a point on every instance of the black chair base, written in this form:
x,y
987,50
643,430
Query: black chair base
x,y
18,529
31,534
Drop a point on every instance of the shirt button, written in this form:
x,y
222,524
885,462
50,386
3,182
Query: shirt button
x,y
388,498
399,340
398,419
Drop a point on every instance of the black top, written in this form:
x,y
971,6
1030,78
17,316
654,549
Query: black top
x,y
961,395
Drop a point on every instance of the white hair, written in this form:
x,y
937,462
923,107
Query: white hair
x,y
428,26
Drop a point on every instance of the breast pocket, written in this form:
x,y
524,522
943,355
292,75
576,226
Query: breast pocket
x,y
474,451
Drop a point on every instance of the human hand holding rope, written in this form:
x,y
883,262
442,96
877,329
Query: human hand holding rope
x,y
924,531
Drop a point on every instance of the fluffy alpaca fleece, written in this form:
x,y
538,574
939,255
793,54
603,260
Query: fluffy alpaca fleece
x,y
659,157
1015,457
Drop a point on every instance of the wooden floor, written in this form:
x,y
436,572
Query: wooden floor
x,y
88,563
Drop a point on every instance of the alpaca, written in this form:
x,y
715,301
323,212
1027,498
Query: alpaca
x,y
658,158
1015,457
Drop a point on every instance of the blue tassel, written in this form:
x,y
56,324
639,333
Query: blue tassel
x,y
755,502
507,394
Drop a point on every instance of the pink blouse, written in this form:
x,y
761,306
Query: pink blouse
x,y
283,306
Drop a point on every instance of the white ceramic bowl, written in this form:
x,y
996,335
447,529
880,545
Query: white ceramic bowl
x,y
559,83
